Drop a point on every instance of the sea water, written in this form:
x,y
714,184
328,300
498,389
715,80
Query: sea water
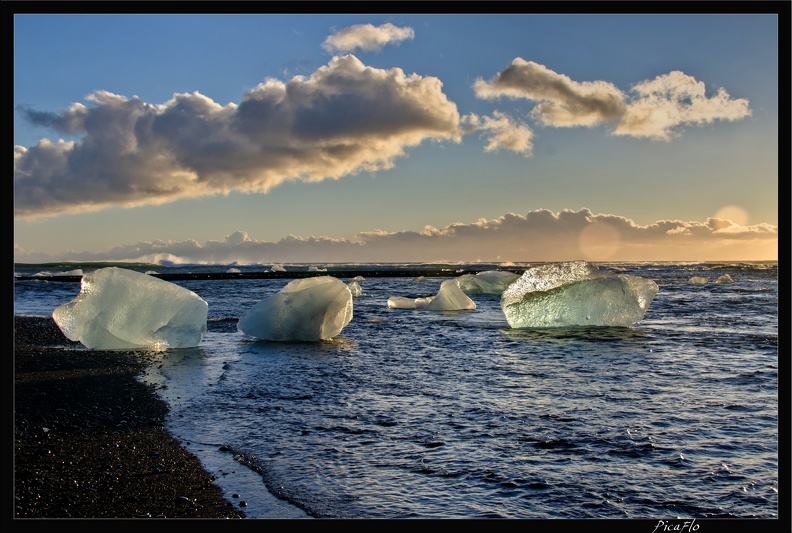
x,y
410,413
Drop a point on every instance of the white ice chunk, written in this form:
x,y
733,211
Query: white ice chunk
x,y
450,298
724,279
402,302
355,289
576,294
487,282
277,268
422,302
308,309
697,280
120,309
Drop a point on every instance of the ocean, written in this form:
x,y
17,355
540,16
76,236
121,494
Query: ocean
x,y
410,413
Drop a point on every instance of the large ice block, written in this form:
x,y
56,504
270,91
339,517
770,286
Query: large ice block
x,y
576,293
308,309
492,282
120,309
450,298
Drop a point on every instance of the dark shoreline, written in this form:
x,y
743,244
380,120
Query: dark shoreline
x,y
89,438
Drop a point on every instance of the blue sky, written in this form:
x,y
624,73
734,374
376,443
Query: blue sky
x,y
395,137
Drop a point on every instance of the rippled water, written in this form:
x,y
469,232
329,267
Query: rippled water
x,y
415,414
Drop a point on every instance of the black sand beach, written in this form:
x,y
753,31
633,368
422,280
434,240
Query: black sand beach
x,y
89,438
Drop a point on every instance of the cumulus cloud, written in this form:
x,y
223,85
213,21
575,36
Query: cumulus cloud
x,y
344,119
539,235
366,37
502,132
657,109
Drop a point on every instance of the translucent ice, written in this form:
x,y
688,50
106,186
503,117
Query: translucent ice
x,y
355,289
308,309
697,280
724,279
487,282
450,298
120,309
402,302
576,294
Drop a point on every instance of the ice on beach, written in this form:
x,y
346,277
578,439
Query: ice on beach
x,y
308,309
697,280
450,297
492,282
724,279
576,293
120,309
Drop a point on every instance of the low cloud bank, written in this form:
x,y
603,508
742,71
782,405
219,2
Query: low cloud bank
x,y
540,235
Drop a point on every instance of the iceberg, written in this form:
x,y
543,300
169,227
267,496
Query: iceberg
x,y
697,280
488,282
120,309
724,279
450,298
308,309
576,293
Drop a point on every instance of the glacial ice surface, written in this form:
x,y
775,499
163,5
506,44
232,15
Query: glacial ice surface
x,y
308,309
576,293
120,309
487,282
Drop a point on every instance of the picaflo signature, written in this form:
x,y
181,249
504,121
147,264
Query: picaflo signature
x,y
676,526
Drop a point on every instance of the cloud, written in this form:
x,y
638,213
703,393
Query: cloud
x,y
502,131
344,119
657,109
538,236
366,37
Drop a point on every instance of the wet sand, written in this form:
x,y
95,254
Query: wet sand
x,y
89,438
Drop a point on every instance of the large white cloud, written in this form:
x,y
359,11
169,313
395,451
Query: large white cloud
x,y
659,107
539,235
343,119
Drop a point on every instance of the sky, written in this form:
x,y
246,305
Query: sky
x,y
365,138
